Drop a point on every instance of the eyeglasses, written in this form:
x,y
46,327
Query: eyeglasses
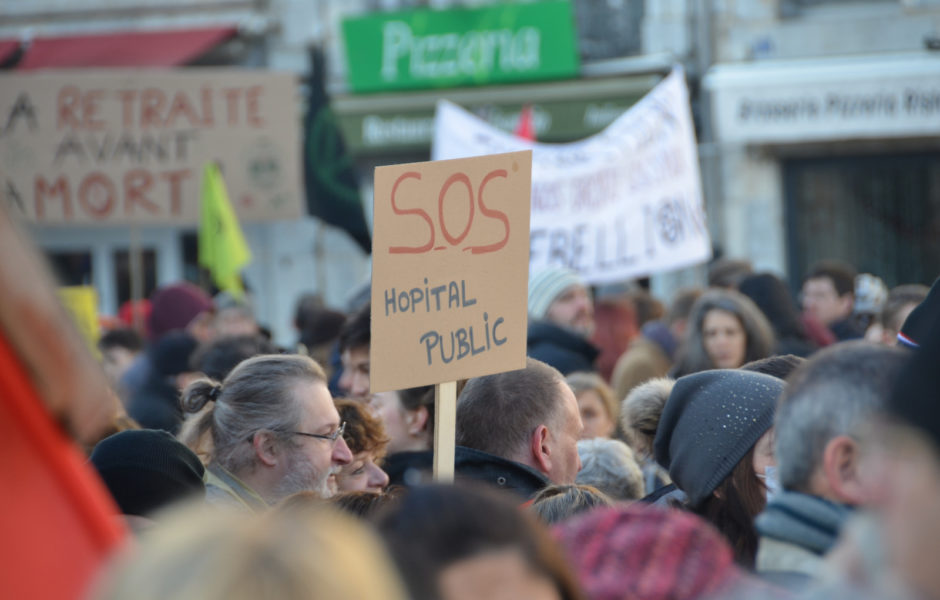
x,y
330,437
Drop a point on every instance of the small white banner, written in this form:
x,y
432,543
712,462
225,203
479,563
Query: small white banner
x,y
624,203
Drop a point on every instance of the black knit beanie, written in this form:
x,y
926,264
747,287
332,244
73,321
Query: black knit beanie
x,y
710,422
915,399
145,470
925,316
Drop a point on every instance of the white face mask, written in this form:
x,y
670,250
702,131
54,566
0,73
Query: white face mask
x,y
771,482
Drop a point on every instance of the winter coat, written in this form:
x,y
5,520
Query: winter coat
x,y
561,348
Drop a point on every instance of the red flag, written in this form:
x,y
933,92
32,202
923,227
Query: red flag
x,y
526,126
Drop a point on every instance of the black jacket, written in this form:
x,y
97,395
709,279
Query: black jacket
x,y
561,348
412,468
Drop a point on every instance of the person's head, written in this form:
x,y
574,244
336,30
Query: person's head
x,y
557,503
640,413
366,439
778,365
725,331
596,403
715,438
900,303
233,317
216,359
646,307
146,470
560,296
354,342
170,358
119,347
611,467
529,416
307,553
455,543
677,317
408,418
317,325
827,401
180,306
921,321
638,551
829,291
272,424
901,467
728,272
772,296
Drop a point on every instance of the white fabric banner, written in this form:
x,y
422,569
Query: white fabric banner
x,y
624,203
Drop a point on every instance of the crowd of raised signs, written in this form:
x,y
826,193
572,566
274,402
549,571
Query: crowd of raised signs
x,y
737,441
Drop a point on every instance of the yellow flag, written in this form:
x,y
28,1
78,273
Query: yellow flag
x,y
222,247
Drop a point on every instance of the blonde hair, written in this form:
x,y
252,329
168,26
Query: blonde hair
x,y
583,381
307,553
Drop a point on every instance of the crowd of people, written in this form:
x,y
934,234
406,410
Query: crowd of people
x,y
740,442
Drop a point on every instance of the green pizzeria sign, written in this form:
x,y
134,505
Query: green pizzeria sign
x,y
499,43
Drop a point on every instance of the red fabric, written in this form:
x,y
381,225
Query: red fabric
x,y
526,127
125,49
7,47
614,328
58,522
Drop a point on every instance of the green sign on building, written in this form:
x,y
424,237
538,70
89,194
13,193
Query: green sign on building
x,y
500,43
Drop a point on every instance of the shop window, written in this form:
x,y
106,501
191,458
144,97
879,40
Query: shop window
x,y
123,276
879,213
71,267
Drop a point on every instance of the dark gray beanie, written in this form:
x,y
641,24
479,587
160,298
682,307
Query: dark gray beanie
x,y
709,424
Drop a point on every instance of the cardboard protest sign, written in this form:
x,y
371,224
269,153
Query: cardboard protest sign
x,y
450,270
624,203
120,146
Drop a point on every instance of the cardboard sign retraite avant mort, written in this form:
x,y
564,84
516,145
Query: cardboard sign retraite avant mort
x,y
450,269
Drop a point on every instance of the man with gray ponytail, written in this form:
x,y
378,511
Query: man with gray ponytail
x,y
269,430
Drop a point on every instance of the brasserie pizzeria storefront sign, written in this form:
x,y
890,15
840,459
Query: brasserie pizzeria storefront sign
x,y
422,49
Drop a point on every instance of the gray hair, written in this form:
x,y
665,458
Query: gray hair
x,y
498,413
757,330
832,394
611,467
259,394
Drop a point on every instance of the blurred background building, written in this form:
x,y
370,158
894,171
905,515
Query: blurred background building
x,y
818,124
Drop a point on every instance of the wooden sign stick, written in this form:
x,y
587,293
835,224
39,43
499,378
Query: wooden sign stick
x,y
445,430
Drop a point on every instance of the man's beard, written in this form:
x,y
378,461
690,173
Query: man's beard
x,y
303,476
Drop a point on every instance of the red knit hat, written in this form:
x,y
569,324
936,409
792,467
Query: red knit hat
x,y
640,552
174,307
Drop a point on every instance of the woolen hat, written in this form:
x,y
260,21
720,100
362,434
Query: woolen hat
x,y
915,399
925,316
174,307
546,285
710,422
647,553
145,470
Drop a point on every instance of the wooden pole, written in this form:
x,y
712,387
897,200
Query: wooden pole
x,y
445,429
136,272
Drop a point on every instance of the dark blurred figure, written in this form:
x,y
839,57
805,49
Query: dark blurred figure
x,y
157,404
146,471
615,325
462,543
652,353
772,297
119,348
829,298
728,272
318,328
367,505
355,341
901,301
217,358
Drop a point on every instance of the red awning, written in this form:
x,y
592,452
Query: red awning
x,y
125,49
7,48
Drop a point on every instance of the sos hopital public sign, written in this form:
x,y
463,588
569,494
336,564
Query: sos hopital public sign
x,y
499,43
450,269
108,147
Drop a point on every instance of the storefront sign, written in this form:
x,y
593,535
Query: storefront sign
x,y
449,275
824,100
624,203
499,43
116,147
